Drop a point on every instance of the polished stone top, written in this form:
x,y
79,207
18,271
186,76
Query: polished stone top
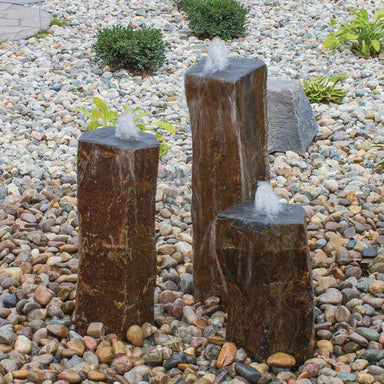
x,y
243,215
237,69
107,136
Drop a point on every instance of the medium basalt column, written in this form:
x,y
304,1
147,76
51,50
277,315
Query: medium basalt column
x,y
229,138
270,295
116,203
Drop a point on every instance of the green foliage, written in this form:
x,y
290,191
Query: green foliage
x,y
57,22
102,116
211,18
363,36
324,90
138,50
46,32
42,34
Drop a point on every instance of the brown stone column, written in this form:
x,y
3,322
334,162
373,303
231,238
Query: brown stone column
x,y
229,137
116,203
270,295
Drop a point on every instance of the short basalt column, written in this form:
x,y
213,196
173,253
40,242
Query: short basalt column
x,y
116,203
229,138
270,295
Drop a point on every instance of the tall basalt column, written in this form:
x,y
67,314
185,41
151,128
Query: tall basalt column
x,y
229,138
270,295
116,203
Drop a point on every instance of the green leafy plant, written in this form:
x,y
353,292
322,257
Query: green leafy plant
x,y
324,90
42,34
138,50
102,116
211,18
363,36
47,32
57,22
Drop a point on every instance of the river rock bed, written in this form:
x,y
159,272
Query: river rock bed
x,y
42,84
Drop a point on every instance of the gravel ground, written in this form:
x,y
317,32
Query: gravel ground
x,y
44,81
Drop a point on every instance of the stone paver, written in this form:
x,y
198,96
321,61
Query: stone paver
x,y
19,22
21,2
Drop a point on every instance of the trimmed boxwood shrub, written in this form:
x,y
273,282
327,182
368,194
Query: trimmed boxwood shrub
x,y
211,18
138,50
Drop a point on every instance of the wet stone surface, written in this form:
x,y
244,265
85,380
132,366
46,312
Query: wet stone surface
x,y
116,202
229,138
266,265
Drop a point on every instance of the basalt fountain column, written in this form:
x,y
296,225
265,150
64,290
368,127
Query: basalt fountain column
x,y
228,120
116,203
266,263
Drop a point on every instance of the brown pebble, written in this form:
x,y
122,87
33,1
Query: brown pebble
x,y
119,348
217,340
105,352
20,374
281,359
96,329
122,364
42,295
90,343
58,330
226,355
76,346
96,375
135,335
70,376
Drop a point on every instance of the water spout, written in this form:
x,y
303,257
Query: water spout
x,y
126,127
266,201
217,59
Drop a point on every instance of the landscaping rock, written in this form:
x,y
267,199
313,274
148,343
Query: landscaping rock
x,y
291,121
249,373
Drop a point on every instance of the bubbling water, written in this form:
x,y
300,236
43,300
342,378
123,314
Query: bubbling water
x,y
217,59
126,127
266,201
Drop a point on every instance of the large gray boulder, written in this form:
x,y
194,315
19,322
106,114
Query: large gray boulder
x,y
291,121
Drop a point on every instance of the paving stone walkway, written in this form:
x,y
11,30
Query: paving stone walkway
x,y
21,2
20,22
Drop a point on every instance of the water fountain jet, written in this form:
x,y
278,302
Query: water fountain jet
x,y
126,127
217,59
266,201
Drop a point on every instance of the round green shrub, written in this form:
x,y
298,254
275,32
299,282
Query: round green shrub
x,y
211,18
138,50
